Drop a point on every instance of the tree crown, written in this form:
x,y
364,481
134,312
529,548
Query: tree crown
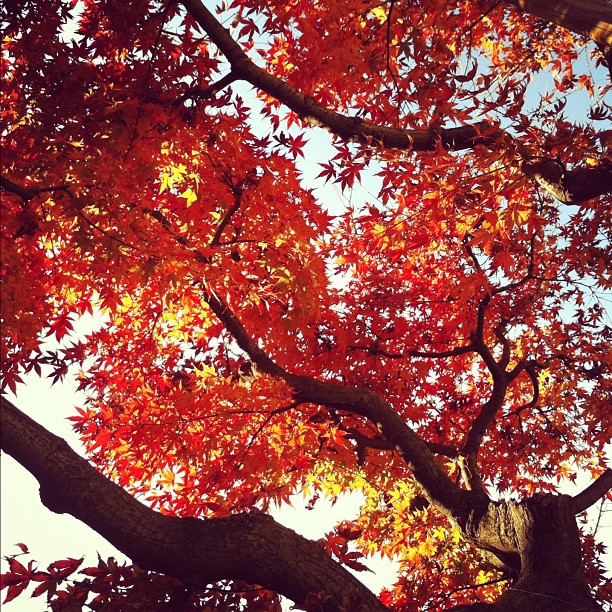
x,y
432,333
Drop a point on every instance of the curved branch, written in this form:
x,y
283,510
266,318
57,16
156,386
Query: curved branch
x,y
529,367
232,210
499,334
245,342
455,502
492,406
591,18
250,546
527,276
593,492
348,128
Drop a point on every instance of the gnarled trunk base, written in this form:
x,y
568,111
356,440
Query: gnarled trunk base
x,y
544,531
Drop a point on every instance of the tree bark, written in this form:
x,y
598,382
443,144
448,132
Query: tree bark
x,y
543,529
537,537
250,546
591,18
573,186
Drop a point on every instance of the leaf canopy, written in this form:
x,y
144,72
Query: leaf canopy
x,y
171,176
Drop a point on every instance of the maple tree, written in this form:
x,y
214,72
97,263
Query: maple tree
x,y
440,345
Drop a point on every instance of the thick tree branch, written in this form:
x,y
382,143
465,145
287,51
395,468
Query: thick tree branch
x,y
23,192
594,492
251,547
572,186
503,341
455,502
310,111
486,416
479,428
235,328
591,18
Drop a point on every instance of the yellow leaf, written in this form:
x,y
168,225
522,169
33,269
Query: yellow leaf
x,y
209,370
177,171
456,534
380,13
482,577
190,196
427,548
166,182
439,533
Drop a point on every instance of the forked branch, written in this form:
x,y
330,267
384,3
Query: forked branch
x,y
445,494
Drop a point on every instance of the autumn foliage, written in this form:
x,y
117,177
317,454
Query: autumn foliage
x,y
332,246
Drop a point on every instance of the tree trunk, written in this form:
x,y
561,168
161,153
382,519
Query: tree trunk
x,y
543,528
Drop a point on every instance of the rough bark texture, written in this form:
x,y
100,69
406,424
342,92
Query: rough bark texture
x,y
537,538
591,18
251,547
544,531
